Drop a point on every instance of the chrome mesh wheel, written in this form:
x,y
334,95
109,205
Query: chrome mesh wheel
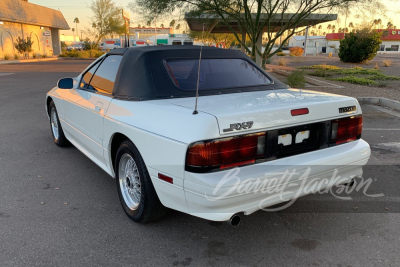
x,y
54,124
129,181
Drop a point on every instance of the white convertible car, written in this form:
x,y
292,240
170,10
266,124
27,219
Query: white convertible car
x,y
252,142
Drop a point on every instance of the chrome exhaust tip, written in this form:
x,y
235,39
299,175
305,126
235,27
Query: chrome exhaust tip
x,y
234,220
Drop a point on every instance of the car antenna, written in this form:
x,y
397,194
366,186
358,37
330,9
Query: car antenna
x,y
198,72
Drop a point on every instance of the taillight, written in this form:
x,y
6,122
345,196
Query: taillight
x,y
227,152
346,130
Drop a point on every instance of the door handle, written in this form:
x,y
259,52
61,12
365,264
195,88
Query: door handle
x,y
98,106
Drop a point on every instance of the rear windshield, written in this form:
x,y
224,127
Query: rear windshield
x,y
214,73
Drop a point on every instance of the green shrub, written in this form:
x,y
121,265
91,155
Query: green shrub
x,y
357,71
72,53
16,56
355,80
321,73
383,77
98,54
296,79
359,47
23,46
44,55
388,49
280,54
7,57
34,55
321,67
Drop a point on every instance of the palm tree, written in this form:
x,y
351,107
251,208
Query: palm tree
x,y
178,26
73,31
319,29
162,25
172,23
76,21
340,30
329,27
389,25
324,33
138,25
379,22
148,23
333,28
351,25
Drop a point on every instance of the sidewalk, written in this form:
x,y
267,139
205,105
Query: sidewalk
x,y
28,60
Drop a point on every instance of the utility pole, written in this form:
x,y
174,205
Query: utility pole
x,y
305,41
155,28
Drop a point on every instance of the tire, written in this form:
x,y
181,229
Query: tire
x,y
135,189
55,126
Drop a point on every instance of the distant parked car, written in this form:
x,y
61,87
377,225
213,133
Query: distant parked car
x,y
76,47
110,44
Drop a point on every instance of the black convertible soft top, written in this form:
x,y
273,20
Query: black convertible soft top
x,y
142,74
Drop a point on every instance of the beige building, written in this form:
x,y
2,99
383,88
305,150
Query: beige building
x,y
20,18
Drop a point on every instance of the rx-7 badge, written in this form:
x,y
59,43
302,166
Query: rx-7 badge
x,y
239,126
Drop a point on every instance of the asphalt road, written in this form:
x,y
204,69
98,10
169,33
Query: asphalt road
x,y
57,208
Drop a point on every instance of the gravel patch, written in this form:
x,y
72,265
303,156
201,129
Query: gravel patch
x,y
392,91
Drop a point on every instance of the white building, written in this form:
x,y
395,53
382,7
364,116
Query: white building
x,y
315,44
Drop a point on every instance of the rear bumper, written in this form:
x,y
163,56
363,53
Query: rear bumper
x,y
219,195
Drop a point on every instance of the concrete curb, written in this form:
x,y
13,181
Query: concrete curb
x,y
77,58
27,60
386,102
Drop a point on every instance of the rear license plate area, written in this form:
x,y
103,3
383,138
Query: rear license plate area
x,y
293,140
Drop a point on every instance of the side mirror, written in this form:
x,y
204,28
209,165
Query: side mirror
x,y
66,83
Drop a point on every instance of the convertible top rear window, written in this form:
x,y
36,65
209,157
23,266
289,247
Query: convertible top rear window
x,y
214,73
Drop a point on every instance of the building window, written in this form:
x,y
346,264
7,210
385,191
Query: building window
x,y
395,48
382,47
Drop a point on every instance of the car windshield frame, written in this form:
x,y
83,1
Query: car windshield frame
x,y
173,79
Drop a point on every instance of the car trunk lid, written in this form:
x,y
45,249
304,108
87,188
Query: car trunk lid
x,y
265,110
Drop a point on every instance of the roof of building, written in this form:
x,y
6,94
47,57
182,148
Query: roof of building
x,y
301,38
214,24
28,13
387,35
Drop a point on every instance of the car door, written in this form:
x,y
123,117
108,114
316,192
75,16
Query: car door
x,y
86,105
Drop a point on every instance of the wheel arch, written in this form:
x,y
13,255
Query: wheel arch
x,y
48,101
115,142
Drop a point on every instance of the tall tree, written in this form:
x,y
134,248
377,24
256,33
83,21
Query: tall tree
x,y
76,21
107,20
253,17
329,27
172,23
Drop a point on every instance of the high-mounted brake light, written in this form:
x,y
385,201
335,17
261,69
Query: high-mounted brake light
x,y
301,111
227,152
346,130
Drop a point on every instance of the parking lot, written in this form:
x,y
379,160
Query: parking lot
x,y
57,208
